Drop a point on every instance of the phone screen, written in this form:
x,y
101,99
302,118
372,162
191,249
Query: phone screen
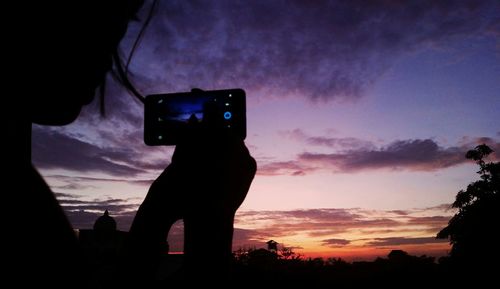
x,y
171,117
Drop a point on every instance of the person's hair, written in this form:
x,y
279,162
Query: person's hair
x,y
120,70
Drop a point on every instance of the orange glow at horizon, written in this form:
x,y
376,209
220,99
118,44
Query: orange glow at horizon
x,y
353,253
351,234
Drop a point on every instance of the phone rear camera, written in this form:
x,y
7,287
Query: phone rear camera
x,y
228,115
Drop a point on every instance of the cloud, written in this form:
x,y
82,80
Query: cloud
x,y
346,142
349,154
81,219
283,168
66,196
247,238
57,150
428,221
99,207
399,212
82,213
398,241
320,50
332,224
72,180
331,142
71,186
299,216
335,242
408,154
352,155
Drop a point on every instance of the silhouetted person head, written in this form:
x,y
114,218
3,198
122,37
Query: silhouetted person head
x,y
62,51
69,49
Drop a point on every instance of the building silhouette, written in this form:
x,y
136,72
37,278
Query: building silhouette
x,y
272,246
103,247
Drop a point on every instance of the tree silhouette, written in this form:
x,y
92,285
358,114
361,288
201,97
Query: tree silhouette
x,y
287,253
472,229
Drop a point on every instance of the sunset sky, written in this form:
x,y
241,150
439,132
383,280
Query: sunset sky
x,y
359,115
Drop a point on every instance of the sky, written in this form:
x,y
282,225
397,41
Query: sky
x,y
359,115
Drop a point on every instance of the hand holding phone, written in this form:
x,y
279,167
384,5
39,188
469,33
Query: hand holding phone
x,y
171,118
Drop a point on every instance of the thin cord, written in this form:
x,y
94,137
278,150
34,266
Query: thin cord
x,y
121,73
122,77
141,34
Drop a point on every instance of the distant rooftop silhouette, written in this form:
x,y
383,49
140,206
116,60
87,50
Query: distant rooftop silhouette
x,y
105,223
272,245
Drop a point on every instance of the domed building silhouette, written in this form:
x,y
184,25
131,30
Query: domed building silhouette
x,y
103,246
104,238
104,230
104,249
105,223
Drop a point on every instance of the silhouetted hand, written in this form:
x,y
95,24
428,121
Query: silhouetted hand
x,y
212,176
205,184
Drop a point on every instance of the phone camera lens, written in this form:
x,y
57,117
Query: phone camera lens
x,y
228,115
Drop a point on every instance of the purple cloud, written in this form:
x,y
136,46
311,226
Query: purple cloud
x,y
66,196
320,50
331,142
82,214
56,150
335,243
283,168
398,241
428,221
408,154
71,180
413,155
81,219
416,155
332,222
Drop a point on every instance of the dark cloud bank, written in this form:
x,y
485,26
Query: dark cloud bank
x,y
319,49
57,150
352,155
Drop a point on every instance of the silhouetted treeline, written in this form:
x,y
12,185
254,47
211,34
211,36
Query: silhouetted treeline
x,y
260,266
472,230
263,268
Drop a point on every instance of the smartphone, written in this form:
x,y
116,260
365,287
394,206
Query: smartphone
x,y
169,118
